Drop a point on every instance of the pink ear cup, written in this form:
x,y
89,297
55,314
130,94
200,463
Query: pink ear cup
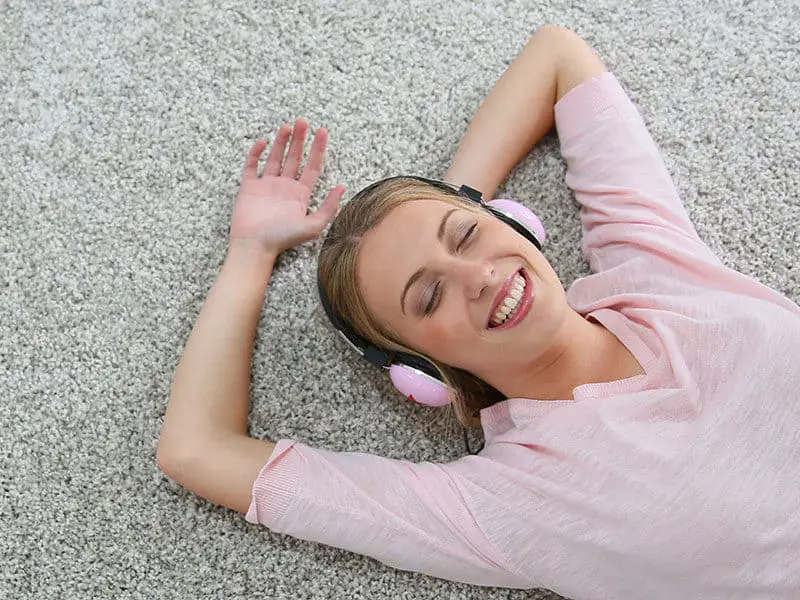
x,y
522,214
419,387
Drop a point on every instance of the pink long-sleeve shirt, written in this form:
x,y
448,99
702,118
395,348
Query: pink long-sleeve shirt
x,y
682,482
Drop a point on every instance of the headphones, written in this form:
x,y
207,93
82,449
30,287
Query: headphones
x,y
414,377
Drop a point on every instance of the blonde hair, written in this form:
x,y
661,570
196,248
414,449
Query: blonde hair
x,y
337,275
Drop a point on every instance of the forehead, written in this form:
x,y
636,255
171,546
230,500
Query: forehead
x,y
403,230
394,249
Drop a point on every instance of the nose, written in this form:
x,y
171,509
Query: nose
x,y
475,276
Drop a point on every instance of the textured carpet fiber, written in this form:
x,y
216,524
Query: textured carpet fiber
x,y
123,128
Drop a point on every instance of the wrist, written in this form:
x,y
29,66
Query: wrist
x,y
251,260
250,251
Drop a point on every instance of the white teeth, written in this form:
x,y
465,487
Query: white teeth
x,y
511,301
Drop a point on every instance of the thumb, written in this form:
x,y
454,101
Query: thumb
x,y
319,219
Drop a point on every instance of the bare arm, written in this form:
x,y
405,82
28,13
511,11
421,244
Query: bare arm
x,y
204,444
519,110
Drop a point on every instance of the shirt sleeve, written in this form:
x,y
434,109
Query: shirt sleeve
x,y
629,204
410,516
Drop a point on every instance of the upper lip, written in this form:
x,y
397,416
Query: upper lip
x,y
501,295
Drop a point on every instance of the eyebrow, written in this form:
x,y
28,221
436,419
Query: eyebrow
x,y
419,272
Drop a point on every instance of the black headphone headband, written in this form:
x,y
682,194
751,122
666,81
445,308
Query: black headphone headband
x,y
373,354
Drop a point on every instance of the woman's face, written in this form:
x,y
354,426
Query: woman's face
x,y
438,276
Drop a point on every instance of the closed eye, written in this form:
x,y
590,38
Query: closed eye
x,y
437,291
466,237
434,297
436,294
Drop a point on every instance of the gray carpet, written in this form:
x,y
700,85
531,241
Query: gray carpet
x,y
123,128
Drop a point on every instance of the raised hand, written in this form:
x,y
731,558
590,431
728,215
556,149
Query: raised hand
x,y
272,209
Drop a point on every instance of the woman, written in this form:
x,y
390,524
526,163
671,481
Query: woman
x,y
641,429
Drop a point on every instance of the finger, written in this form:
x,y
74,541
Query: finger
x,y
275,158
316,159
318,220
295,156
250,170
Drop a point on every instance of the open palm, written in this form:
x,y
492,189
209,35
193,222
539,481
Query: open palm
x,y
273,208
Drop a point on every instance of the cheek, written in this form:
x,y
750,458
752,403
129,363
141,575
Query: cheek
x,y
445,333
546,271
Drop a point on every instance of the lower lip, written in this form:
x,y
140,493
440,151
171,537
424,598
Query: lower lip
x,y
524,306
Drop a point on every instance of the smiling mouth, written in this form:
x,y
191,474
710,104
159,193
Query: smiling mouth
x,y
512,303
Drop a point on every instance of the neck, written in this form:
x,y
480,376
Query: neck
x,y
583,352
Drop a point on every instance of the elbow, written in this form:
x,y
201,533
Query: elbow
x,y
165,460
556,39
171,459
573,60
553,32
174,448
551,43
550,33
